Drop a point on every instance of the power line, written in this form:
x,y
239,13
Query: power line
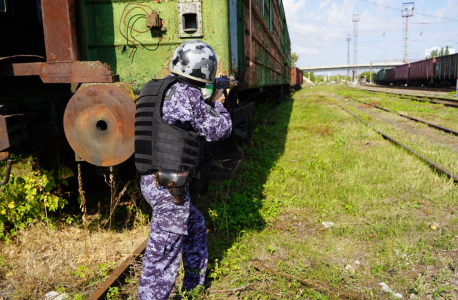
x,y
389,7
391,23
382,48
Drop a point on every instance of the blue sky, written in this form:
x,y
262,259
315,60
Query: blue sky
x,y
318,29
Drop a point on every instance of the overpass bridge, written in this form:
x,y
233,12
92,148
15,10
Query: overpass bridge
x,y
375,65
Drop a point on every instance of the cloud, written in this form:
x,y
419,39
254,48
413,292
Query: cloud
x,y
318,29
324,3
307,52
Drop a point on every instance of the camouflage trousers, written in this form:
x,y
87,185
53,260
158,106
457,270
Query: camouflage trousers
x,y
174,230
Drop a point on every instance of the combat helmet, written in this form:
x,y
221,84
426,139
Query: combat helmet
x,y
195,60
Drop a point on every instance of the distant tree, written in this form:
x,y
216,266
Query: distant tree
x,y
319,78
312,76
436,53
367,74
294,58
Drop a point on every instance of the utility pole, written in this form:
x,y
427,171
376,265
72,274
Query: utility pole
x,y
348,57
407,11
355,44
370,73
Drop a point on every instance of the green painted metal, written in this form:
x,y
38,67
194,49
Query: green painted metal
x,y
101,39
381,75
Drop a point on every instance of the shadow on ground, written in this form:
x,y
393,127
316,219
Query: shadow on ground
x,y
237,206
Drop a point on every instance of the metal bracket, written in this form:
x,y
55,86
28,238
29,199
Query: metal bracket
x,y
9,163
190,18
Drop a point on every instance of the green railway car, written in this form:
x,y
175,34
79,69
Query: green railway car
x,y
71,68
240,35
381,75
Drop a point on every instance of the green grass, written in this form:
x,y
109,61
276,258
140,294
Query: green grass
x,y
311,162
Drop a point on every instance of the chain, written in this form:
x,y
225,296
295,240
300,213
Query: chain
x,y
112,190
81,192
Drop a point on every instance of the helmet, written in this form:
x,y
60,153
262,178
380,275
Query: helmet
x,y
195,60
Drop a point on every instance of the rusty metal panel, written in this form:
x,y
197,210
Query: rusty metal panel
x,y
297,76
267,45
65,72
153,20
60,30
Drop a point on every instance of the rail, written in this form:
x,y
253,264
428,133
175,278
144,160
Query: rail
x,y
438,127
117,277
432,164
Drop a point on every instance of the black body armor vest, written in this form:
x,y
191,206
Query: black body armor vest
x,y
159,145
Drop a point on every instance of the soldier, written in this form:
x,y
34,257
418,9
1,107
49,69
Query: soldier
x,y
171,121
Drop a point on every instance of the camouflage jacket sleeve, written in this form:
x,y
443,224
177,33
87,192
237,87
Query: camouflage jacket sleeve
x,y
214,124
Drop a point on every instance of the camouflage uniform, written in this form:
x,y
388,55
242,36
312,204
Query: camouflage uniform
x,y
175,228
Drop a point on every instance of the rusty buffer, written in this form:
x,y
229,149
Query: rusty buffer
x,y
99,123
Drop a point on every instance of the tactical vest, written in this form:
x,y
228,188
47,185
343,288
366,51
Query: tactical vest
x,y
159,145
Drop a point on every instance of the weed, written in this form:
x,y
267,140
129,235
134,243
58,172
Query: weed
x,y
428,259
113,293
24,199
82,272
270,250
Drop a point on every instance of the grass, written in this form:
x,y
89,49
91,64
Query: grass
x,y
309,163
381,200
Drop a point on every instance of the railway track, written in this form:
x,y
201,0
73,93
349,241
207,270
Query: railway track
x,y
415,88
431,99
432,164
438,127
116,279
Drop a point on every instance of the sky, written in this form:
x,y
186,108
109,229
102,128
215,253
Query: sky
x,y
318,29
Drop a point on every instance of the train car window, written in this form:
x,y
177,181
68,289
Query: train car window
x,y
190,22
3,6
190,18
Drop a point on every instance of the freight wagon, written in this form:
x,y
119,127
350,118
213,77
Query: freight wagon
x,y
70,70
401,74
439,71
445,71
297,78
375,77
389,76
381,76
422,73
